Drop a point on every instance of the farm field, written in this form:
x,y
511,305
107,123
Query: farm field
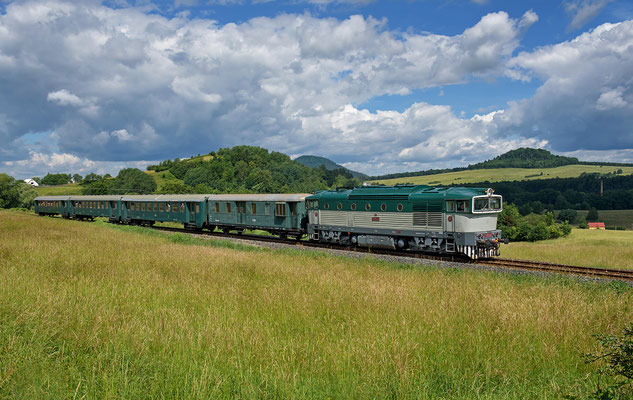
x,y
505,174
613,218
102,311
71,189
590,248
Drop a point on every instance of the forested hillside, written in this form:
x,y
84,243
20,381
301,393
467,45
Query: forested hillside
x,y
248,169
580,193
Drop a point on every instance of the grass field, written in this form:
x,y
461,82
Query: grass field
x,y
590,248
613,218
71,189
100,311
505,174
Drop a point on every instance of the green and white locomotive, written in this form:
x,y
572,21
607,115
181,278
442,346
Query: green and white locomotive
x,y
456,220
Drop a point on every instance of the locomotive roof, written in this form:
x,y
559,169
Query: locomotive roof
x,y
400,192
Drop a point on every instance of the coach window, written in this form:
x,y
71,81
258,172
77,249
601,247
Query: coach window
x,y
142,206
367,206
280,209
353,206
161,207
339,206
167,207
293,209
182,207
197,208
253,208
217,208
267,208
228,208
383,207
450,206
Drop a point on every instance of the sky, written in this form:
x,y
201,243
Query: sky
x,y
377,86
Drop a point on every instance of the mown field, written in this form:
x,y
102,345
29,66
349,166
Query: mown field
x,y
71,189
505,174
100,311
590,248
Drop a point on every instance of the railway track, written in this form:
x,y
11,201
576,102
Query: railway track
x,y
525,265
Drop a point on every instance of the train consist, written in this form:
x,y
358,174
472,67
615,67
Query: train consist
x,y
457,220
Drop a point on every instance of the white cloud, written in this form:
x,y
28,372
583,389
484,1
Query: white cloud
x,y
65,98
587,91
120,84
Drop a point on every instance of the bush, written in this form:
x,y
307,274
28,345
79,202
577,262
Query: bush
x,y
568,215
617,354
582,223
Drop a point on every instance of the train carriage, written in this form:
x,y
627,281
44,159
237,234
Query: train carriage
x,y
52,205
417,218
188,209
91,207
280,214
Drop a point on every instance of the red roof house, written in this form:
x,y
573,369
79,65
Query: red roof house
x,y
596,225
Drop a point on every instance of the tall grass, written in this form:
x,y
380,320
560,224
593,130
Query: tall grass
x,y
590,248
92,312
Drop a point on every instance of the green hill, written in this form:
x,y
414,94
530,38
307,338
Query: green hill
x,y
526,158
316,162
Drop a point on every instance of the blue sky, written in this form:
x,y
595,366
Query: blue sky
x,y
379,86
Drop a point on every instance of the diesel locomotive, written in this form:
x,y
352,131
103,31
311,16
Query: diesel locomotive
x,y
455,220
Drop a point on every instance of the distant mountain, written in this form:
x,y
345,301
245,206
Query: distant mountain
x,y
316,162
525,157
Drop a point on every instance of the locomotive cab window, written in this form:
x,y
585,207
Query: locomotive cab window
x,y
463,206
487,204
450,206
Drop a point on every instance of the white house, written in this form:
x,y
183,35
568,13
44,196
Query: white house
x,y
31,182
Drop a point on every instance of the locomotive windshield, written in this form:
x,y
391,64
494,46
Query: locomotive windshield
x,y
487,204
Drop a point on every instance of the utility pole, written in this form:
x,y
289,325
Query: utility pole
x,y
601,187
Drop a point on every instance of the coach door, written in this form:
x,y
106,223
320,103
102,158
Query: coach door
x,y
192,212
450,216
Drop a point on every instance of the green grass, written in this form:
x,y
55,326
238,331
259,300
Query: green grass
x,y
99,311
505,174
162,177
590,248
71,189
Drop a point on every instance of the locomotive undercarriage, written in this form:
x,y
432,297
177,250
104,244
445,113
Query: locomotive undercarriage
x,y
427,242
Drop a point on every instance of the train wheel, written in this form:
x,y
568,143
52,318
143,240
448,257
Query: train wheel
x,y
211,228
226,230
283,236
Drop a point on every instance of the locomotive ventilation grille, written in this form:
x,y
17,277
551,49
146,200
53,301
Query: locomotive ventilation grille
x,y
427,219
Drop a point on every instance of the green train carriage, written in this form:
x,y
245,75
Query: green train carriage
x,y
188,209
279,214
52,205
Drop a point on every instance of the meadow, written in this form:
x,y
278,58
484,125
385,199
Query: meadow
x,y
505,174
101,311
71,189
590,248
